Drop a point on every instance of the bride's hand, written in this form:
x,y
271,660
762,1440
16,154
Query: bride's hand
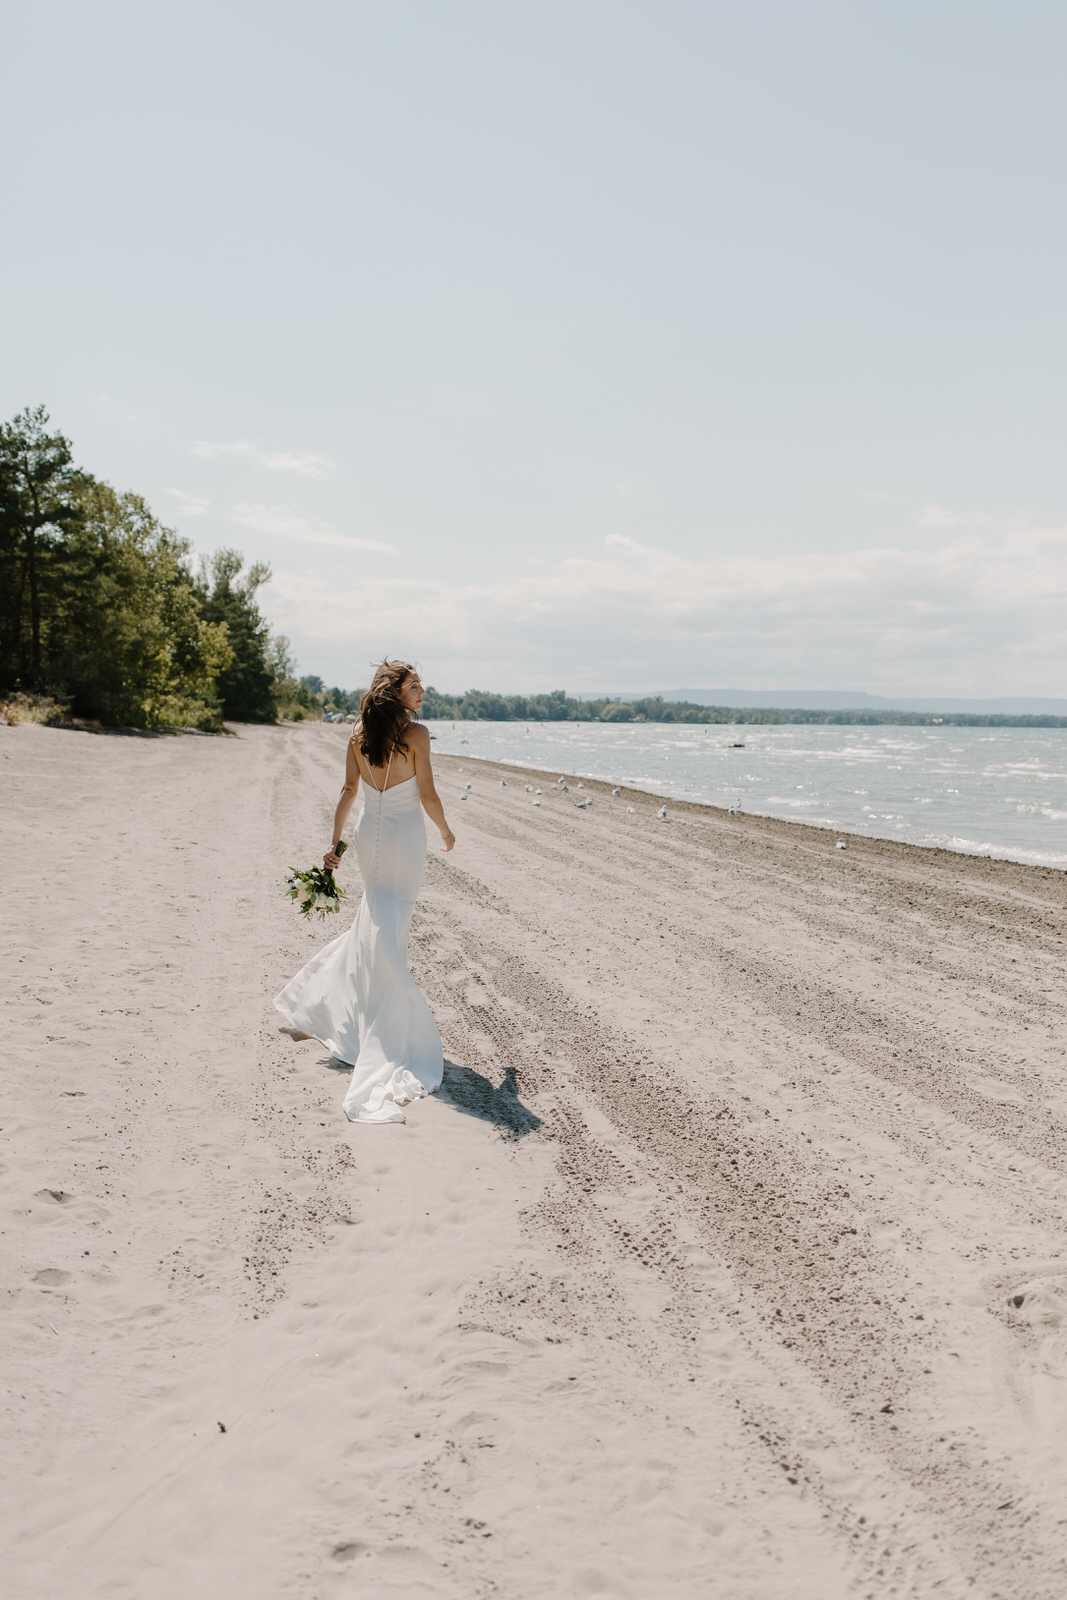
x,y
331,860
447,840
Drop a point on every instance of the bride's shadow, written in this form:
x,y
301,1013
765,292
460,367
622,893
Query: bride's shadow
x,y
469,1092
474,1095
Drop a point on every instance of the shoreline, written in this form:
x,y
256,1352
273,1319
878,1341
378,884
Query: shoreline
x,y
954,834
604,787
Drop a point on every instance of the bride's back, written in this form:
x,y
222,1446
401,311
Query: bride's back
x,y
398,769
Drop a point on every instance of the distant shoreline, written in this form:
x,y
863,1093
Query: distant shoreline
x,y
772,716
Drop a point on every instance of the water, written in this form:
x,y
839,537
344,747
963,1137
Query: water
x,y
983,791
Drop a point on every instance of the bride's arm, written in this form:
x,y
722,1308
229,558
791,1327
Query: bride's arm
x,y
345,803
418,742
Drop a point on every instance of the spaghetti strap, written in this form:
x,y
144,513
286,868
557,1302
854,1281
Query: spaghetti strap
x,y
385,780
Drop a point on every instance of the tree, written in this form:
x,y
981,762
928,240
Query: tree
x,y
282,663
37,507
128,641
246,684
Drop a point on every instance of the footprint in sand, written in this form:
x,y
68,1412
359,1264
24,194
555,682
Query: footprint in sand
x,y
52,1277
348,1551
58,1195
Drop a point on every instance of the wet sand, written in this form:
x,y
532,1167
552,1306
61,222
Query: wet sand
x,y
730,1261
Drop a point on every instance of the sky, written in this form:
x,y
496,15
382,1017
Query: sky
x,y
595,345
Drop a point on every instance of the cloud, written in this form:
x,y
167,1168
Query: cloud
x,y
190,505
279,520
308,466
983,612
934,516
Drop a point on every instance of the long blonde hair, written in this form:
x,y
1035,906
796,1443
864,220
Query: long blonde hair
x,y
383,717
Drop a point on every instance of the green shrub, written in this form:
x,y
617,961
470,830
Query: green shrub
x,y
39,708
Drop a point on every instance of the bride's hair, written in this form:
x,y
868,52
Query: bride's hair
x,y
383,718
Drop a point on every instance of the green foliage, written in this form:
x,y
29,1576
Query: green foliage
x,y
291,697
99,607
129,639
346,700
246,683
476,705
305,698
37,509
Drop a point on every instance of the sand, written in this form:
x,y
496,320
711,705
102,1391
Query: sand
x,y
730,1262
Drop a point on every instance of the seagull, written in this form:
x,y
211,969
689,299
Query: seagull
x,y
616,791
564,789
466,785
631,811
463,797
529,788
584,804
536,802
841,844
662,813
537,791
503,783
581,786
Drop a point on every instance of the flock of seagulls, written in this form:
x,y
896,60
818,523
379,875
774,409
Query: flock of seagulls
x,y
563,787
587,800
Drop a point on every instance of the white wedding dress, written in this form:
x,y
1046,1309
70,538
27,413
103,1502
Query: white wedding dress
x,y
357,995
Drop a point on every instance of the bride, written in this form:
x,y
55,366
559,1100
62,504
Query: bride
x,y
357,995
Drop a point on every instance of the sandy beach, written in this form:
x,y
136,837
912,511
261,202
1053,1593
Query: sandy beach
x,y
729,1262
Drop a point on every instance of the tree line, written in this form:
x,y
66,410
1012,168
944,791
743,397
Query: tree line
x,y
104,612
311,698
477,705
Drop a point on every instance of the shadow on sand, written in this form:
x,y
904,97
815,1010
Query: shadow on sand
x,y
470,1093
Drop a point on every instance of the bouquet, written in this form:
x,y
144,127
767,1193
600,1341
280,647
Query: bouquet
x,y
315,890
